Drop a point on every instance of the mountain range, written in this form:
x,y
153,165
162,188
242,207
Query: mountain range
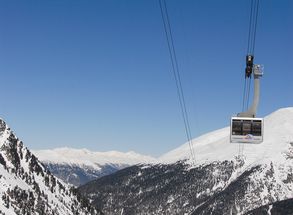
x,y
79,166
224,178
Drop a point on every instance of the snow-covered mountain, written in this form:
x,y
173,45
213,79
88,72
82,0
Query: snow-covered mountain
x,y
216,146
79,166
227,178
27,188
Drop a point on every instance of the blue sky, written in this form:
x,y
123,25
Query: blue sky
x,y
97,74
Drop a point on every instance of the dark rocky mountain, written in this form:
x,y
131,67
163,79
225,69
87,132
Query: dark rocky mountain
x,y
225,178
179,189
27,188
157,189
284,207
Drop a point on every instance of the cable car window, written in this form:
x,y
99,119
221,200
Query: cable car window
x,y
246,127
256,128
236,127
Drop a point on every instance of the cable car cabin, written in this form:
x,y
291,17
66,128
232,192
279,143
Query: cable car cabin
x,y
246,130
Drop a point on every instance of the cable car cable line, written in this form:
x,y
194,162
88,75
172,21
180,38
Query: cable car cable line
x,y
245,128
254,6
249,32
252,26
176,74
255,24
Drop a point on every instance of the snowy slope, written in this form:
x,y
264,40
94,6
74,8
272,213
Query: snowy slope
x,y
26,187
216,146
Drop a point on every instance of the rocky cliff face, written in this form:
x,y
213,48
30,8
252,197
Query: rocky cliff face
x,y
225,179
26,187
